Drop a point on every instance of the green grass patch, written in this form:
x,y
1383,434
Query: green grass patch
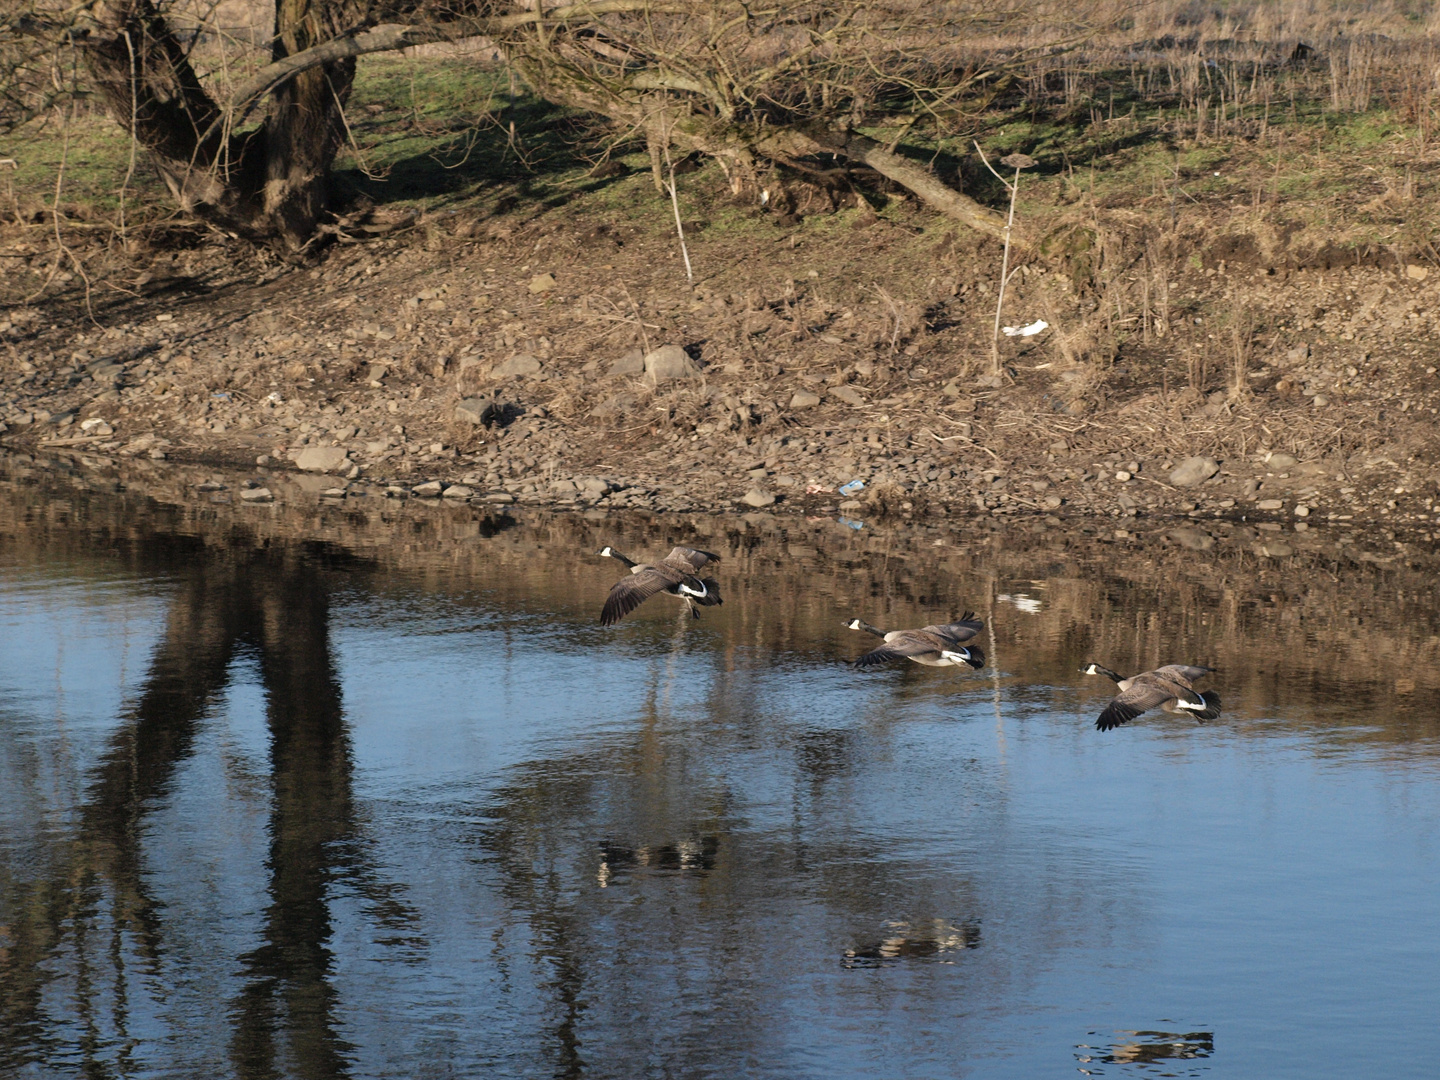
x,y
89,156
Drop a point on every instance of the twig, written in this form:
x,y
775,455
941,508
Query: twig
x,y
675,205
644,337
1019,161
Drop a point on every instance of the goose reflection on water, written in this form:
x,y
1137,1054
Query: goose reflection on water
x,y
909,941
1148,1048
684,855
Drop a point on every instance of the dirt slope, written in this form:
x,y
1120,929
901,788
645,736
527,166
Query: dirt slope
x,y
822,350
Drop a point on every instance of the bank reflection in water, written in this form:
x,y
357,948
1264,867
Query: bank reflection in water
x,y
518,845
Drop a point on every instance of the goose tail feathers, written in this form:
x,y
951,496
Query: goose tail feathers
x,y
1212,706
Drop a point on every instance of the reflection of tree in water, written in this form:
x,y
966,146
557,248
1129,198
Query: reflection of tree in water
x,y
274,607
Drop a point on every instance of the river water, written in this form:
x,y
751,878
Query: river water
x,y
315,790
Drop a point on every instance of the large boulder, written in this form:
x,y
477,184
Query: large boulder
x,y
804,399
478,411
320,458
1193,471
632,363
519,364
669,362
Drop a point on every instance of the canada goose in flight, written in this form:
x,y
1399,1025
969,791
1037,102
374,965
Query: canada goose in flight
x,y
933,646
1168,687
674,574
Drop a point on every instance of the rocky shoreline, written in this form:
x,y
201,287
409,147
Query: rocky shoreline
x,y
415,372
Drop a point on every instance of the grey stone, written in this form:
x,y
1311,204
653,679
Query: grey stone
x,y
542,283
475,410
848,394
613,405
757,498
1270,504
320,458
1193,539
432,489
669,362
1276,549
593,487
1192,471
562,486
804,399
1281,462
519,364
632,363
311,485
256,495
500,498
459,491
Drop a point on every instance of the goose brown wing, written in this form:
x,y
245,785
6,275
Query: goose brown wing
x,y
690,559
1185,671
629,593
906,644
1145,693
958,632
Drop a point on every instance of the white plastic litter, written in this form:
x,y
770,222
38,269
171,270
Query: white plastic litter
x,y
1026,331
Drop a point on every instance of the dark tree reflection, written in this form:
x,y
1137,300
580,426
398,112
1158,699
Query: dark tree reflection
x,y
288,993
272,607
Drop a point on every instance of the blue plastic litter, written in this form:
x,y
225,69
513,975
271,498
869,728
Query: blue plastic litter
x,y
850,523
221,396
852,487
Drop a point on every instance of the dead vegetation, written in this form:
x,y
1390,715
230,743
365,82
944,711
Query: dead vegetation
x,y
1222,228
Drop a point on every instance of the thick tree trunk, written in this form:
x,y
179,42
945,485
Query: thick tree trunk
x,y
267,184
306,125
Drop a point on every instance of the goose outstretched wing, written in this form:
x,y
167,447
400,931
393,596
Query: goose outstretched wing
x,y
901,646
958,632
690,559
1186,671
629,593
1146,692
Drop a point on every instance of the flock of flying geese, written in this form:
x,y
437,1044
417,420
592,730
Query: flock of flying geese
x,y
945,645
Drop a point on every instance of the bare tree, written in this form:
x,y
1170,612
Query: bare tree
x,y
801,84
